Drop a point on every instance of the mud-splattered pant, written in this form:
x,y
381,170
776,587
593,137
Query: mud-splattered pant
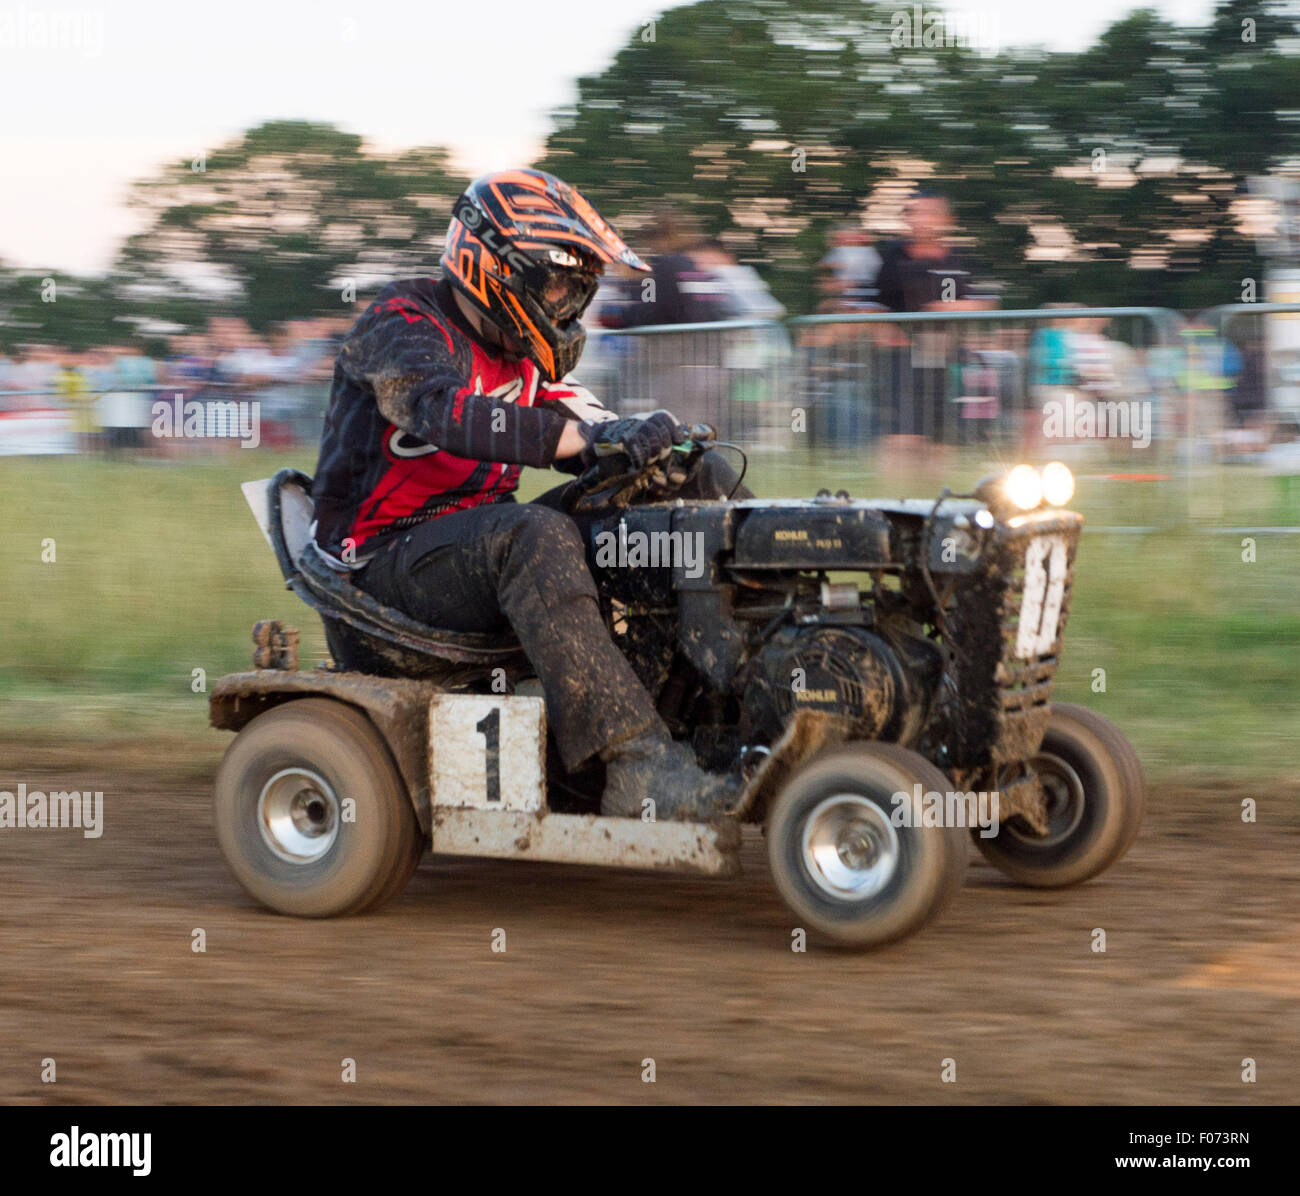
x,y
524,565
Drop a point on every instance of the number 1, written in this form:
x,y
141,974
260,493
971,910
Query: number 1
x,y
489,726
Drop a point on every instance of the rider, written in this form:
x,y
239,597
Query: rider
x,y
442,391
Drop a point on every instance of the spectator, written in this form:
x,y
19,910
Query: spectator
x,y
98,368
237,348
33,378
1250,396
125,411
1051,374
923,273
842,412
682,290
1097,365
109,391
312,349
752,356
191,365
281,369
747,293
854,265
75,392
685,373
1210,374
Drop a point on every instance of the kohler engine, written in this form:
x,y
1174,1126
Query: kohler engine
x,y
884,685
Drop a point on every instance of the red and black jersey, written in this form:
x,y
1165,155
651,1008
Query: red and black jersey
x,y
422,421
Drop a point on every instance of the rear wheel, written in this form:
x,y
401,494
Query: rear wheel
x,y
839,857
312,815
1092,780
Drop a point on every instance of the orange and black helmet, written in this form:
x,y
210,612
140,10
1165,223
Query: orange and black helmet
x,y
527,250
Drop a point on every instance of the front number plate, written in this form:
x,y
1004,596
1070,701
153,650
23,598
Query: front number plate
x,y
1040,611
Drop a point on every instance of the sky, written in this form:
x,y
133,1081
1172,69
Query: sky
x,y
97,93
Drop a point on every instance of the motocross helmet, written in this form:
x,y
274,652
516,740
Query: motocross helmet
x,y
527,251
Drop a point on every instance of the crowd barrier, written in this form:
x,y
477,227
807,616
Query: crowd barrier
x,y
1005,379
1130,393
736,375
846,380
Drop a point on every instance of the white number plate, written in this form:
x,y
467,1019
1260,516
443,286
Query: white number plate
x,y
1040,612
487,752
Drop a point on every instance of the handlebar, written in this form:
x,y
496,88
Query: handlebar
x,y
598,489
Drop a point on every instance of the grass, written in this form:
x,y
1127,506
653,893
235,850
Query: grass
x,y
159,571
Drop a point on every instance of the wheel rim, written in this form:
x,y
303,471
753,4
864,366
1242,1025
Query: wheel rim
x,y
1065,799
850,848
298,815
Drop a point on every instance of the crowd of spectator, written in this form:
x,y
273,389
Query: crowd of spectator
x,y
109,391
915,386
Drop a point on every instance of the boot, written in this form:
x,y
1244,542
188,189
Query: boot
x,y
653,766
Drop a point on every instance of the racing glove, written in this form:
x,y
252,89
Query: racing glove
x,y
641,441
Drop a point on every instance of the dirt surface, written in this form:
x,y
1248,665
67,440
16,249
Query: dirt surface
x,y
604,970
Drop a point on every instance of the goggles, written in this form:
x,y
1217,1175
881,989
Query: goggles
x,y
563,291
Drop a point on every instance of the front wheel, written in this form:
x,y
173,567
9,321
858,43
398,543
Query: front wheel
x,y
312,815
840,857
1092,781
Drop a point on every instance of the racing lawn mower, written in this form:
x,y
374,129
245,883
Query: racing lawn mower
x,y
878,673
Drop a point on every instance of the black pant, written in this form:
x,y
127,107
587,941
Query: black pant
x,y
523,565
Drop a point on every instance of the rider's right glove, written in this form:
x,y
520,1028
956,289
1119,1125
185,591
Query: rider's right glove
x,y
641,441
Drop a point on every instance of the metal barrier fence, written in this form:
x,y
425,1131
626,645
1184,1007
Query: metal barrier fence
x,y
1011,379
735,375
1118,380
1242,385
1127,393
1264,339
956,378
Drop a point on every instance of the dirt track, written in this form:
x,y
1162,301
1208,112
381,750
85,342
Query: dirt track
x,y
603,970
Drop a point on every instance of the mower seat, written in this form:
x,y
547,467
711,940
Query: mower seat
x,y
364,635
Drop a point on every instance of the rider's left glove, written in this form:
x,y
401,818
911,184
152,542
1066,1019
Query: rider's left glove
x,y
641,441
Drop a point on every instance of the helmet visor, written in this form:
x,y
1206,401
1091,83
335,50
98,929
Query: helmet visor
x,y
562,292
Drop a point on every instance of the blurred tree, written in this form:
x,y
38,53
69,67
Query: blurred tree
x,y
1106,176
40,307
294,219
770,119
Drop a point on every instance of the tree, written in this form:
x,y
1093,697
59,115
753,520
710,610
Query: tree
x,y
1133,149
38,307
278,224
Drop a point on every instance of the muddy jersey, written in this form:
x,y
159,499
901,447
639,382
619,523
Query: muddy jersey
x,y
422,421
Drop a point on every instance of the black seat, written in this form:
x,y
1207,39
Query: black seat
x,y
363,634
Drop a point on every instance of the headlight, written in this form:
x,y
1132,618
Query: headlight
x,y
1058,483
1023,487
